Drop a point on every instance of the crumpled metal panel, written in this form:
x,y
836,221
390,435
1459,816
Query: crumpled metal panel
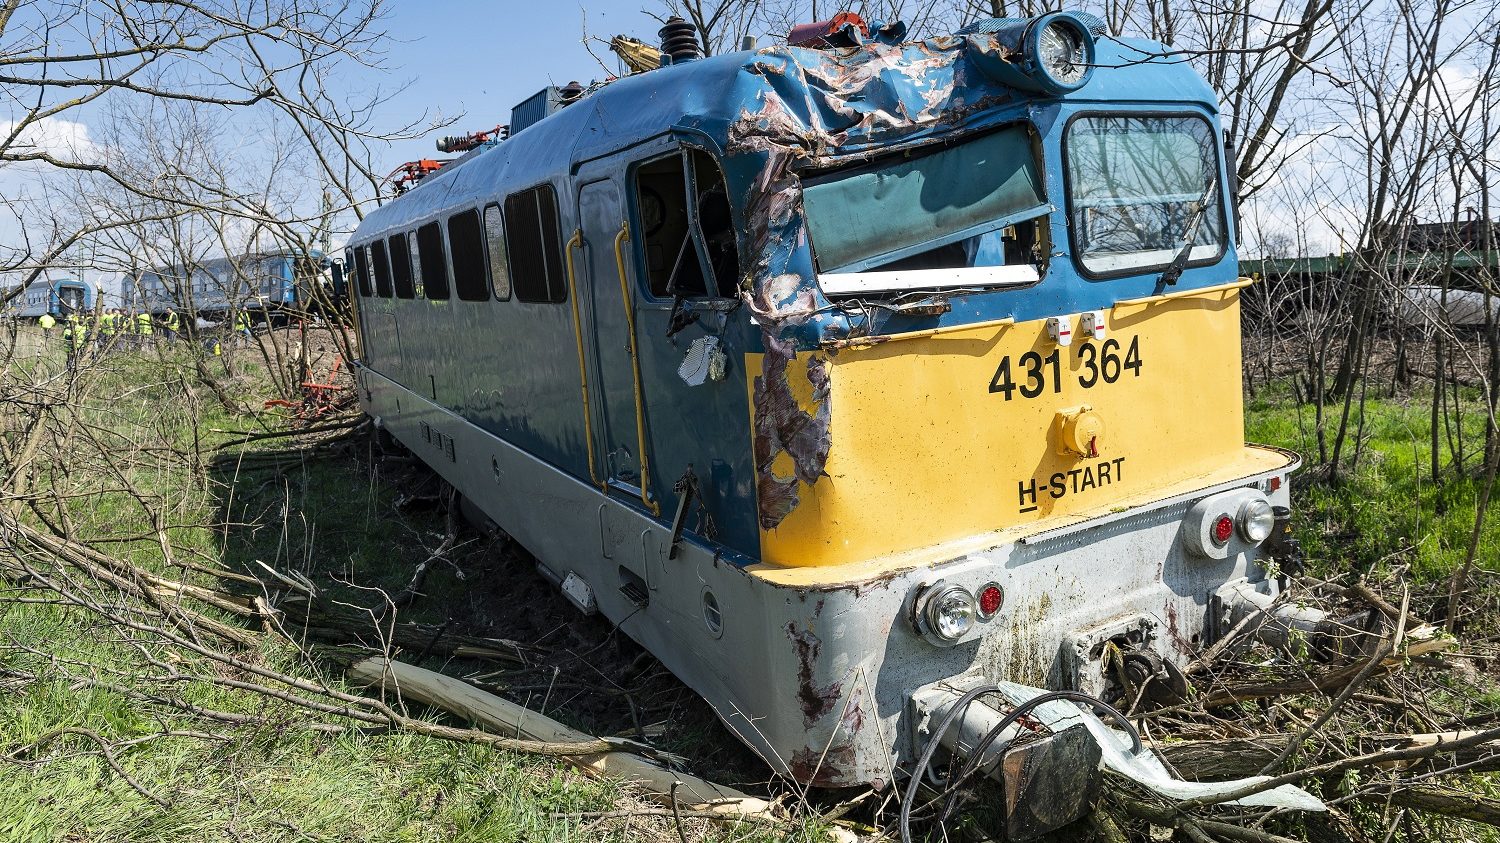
x,y
771,115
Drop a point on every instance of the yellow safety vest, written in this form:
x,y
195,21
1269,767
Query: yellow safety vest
x,y
172,321
143,324
46,321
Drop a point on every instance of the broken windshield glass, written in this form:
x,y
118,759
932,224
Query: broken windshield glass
x,y
927,208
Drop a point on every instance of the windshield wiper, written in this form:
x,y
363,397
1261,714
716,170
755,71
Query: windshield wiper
x,y
1179,261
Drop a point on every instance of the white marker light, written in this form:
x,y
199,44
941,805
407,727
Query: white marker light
x,y
945,613
1093,324
1061,330
1256,520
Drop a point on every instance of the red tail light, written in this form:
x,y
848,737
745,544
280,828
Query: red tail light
x,y
991,598
1223,529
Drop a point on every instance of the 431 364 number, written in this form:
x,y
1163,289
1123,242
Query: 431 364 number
x,y
1098,362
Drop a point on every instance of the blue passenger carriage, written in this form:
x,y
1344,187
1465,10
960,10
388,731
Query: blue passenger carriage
x,y
61,298
267,284
837,374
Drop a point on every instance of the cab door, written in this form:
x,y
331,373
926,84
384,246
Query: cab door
x,y
607,292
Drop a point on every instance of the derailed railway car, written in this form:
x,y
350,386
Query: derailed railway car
x,y
849,379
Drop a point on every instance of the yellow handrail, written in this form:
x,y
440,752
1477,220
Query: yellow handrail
x,y
576,242
635,368
1179,294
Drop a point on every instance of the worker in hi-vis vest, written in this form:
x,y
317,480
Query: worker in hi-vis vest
x,y
242,324
47,323
73,336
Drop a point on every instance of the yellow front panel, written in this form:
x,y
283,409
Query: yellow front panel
x,y
927,449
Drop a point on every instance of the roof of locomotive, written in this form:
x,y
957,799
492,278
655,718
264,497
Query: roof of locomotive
x,y
824,101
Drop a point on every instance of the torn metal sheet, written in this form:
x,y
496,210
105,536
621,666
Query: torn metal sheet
x,y
1146,769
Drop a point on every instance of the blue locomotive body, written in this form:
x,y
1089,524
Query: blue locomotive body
x,y
752,351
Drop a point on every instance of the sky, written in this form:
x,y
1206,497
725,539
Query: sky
x,y
480,58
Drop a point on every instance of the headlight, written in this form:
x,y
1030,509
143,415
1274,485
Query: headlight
x,y
1052,54
1062,51
1256,520
946,613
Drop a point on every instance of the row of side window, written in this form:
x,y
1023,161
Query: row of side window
x,y
492,254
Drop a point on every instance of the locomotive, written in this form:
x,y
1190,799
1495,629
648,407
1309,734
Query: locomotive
x,y
847,373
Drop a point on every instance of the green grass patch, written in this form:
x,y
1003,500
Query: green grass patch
x,y
1389,510
125,468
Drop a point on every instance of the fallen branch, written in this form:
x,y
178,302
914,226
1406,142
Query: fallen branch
x,y
104,750
500,714
1449,803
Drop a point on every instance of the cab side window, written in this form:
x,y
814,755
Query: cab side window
x,y
494,235
687,237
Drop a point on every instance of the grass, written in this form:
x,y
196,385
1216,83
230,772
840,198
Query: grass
x,y
275,779
338,523
1389,511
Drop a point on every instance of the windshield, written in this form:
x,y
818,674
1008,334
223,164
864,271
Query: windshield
x,y
906,205
1137,185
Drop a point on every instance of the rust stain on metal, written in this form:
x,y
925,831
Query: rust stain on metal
x,y
1181,645
822,769
815,702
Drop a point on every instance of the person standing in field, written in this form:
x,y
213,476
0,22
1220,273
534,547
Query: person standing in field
x,y
171,325
73,336
109,325
144,328
242,324
47,323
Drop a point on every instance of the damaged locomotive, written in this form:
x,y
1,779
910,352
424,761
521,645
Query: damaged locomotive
x,y
847,374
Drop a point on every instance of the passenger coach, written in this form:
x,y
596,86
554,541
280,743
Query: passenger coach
x,y
835,375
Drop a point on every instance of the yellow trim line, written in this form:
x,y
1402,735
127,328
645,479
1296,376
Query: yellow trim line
x,y
877,339
1220,288
576,242
635,369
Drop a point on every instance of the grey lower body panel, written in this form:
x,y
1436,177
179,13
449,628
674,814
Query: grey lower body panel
x,y
816,678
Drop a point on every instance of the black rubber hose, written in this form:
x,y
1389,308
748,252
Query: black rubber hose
x,y
920,770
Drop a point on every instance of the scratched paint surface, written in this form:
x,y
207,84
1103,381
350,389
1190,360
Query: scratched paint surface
x,y
930,445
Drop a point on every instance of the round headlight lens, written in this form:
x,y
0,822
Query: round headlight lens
x,y
1062,52
1257,519
950,613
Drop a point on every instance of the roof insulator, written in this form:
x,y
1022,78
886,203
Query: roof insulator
x,y
679,41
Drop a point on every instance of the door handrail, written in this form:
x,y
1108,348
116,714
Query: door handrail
x,y
576,242
635,369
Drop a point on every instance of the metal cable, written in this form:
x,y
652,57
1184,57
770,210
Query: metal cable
x,y
956,711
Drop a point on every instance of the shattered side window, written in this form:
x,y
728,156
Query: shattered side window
x,y
687,238
932,209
